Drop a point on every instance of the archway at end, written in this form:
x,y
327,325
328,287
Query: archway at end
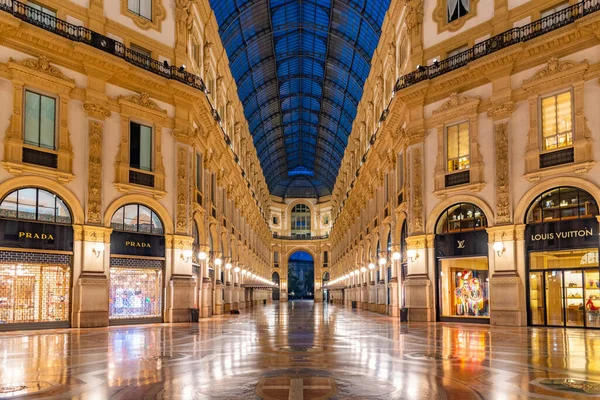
x,y
301,276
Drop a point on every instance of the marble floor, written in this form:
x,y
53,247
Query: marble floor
x,y
301,350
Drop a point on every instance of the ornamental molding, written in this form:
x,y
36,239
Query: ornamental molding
x,y
414,15
159,13
501,111
457,105
41,64
97,111
502,173
143,101
94,184
554,74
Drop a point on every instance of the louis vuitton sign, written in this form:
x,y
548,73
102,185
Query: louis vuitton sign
x,y
558,235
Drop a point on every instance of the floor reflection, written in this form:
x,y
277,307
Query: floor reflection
x,y
301,350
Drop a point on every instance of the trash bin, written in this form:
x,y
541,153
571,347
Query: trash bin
x,y
264,302
353,304
195,314
404,315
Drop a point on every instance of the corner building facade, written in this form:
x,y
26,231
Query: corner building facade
x,y
475,147
129,188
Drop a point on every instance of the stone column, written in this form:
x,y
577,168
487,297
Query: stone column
x,y
90,291
381,293
227,306
394,309
419,288
179,289
218,292
206,310
372,288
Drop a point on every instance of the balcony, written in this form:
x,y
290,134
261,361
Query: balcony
x,y
300,237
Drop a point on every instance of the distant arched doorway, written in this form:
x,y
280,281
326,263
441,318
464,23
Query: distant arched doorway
x,y
324,281
275,279
301,275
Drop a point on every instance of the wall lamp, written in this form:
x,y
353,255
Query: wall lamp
x,y
412,255
186,255
371,266
499,248
363,269
98,249
382,261
236,269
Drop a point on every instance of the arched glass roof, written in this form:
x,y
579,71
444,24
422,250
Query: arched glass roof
x,y
300,67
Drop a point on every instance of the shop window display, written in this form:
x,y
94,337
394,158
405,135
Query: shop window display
x,y
460,218
564,288
564,203
464,287
34,293
135,293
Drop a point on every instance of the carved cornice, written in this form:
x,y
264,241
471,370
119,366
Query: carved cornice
x,y
97,111
563,71
457,105
501,111
42,64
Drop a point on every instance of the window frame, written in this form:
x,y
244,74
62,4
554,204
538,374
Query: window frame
x,y
137,231
152,146
37,206
446,148
458,3
540,127
56,99
139,3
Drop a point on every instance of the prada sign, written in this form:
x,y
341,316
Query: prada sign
x,y
35,235
562,235
137,244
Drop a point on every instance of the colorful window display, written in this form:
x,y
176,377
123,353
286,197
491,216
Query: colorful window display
x,y
464,287
34,293
135,293
564,288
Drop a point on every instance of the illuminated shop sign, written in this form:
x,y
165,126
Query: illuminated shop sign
x,y
470,243
562,235
35,235
137,244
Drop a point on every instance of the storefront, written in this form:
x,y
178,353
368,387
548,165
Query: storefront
x,y
137,246
562,259
36,241
196,268
461,246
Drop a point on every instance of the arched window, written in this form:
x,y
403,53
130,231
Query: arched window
x,y
36,205
301,220
462,217
326,277
136,218
563,203
389,242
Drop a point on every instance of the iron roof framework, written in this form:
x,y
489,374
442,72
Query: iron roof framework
x,y
300,67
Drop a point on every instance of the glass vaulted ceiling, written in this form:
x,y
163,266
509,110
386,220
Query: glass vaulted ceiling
x,y
300,67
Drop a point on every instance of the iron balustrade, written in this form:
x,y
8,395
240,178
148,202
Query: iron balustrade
x,y
300,237
501,41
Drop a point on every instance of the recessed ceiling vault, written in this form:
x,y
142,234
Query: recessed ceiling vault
x,y
300,67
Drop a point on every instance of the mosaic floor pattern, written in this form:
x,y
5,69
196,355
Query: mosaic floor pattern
x,y
301,351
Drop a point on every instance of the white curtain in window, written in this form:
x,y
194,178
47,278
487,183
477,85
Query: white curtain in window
x,y
134,5
146,9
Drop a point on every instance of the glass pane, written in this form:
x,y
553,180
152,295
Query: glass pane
x,y
46,206
131,218
134,5
32,118
550,205
134,145
463,140
554,298
47,122
587,205
27,203
135,293
592,296
117,220
464,287
536,298
145,219
146,148
63,215
563,112
452,142
8,208
548,117
569,207
574,288
146,9
535,212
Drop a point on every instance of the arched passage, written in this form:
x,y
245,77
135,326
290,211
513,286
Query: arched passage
x,y
275,279
301,275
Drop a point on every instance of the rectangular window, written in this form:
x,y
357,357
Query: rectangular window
x,y
556,116
143,8
457,9
40,120
140,146
199,172
400,171
195,52
141,50
549,11
457,146
213,189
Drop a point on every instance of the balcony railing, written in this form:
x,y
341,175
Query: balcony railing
x,y
505,39
300,237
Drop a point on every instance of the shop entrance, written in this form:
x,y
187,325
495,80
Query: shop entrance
x,y
565,296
